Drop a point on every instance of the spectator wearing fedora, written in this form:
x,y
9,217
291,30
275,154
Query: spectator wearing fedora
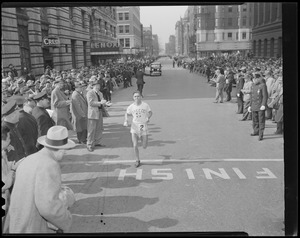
x,y
60,106
29,103
258,98
13,70
95,119
42,208
44,121
79,109
27,126
10,114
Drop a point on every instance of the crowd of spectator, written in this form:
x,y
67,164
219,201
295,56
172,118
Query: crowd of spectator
x,y
240,71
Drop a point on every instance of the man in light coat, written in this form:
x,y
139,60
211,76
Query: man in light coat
x,y
79,108
60,106
36,200
95,119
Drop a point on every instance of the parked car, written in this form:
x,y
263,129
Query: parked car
x,y
155,68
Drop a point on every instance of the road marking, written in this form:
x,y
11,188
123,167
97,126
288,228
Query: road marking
x,y
89,163
193,160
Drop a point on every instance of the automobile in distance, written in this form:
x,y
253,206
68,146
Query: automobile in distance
x,y
155,68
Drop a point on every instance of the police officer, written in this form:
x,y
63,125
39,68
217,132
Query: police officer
x,y
258,102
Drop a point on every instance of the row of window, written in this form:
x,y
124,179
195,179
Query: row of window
x,y
123,28
124,42
229,9
123,16
229,36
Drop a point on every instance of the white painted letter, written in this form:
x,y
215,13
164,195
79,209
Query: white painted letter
x,y
138,174
164,176
190,173
208,173
239,173
266,171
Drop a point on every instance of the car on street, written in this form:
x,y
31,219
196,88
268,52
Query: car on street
x,y
155,68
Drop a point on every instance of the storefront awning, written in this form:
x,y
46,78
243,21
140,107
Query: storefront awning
x,y
106,53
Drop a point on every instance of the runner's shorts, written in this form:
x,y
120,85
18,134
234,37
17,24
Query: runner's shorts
x,y
141,129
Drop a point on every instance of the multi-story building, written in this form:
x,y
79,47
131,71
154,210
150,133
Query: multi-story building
x,y
155,45
35,37
61,37
267,29
223,28
148,40
179,37
172,41
129,29
103,35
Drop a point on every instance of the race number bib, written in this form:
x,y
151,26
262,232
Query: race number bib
x,y
141,127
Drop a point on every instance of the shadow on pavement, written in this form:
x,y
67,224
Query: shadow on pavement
x,y
111,205
118,224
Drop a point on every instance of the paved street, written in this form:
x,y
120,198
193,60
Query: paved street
x,y
202,171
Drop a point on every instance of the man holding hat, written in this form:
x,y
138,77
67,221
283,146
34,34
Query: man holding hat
x,y
79,108
38,184
60,106
140,80
44,121
95,118
10,115
258,98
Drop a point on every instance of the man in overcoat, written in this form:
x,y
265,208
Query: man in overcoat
x,y
36,204
44,121
60,106
27,127
10,114
239,94
79,108
95,119
258,98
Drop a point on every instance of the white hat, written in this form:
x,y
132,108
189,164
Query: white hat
x,y
57,138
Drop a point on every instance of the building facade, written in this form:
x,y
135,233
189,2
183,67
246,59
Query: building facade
x,y
179,37
223,29
129,32
267,29
148,41
61,37
35,37
155,45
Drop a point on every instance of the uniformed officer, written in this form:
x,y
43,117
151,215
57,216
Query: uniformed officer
x,y
10,114
258,98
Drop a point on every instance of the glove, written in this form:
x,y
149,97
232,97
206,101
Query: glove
x,y
249,109
262,107
125,123
238,94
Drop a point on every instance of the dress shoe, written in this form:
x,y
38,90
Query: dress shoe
x,y
221,102
243,120
90,149
278,132
254,134
100,145
260,138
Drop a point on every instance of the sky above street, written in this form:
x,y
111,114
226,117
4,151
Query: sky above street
x,y
162,19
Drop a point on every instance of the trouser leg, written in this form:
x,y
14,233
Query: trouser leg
x,y
99,130
255,122
262,120
91,131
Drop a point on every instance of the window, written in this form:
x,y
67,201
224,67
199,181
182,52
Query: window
x,y
121,16
126,15
121,30
244,8
216,22
71,13
244,35
122,42
229,35
127,29
229,21
82,18
223,36
127,42
230,9
244,21
237,35
84,53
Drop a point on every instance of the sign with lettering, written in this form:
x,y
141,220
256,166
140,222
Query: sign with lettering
x,y
105,47
49,41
